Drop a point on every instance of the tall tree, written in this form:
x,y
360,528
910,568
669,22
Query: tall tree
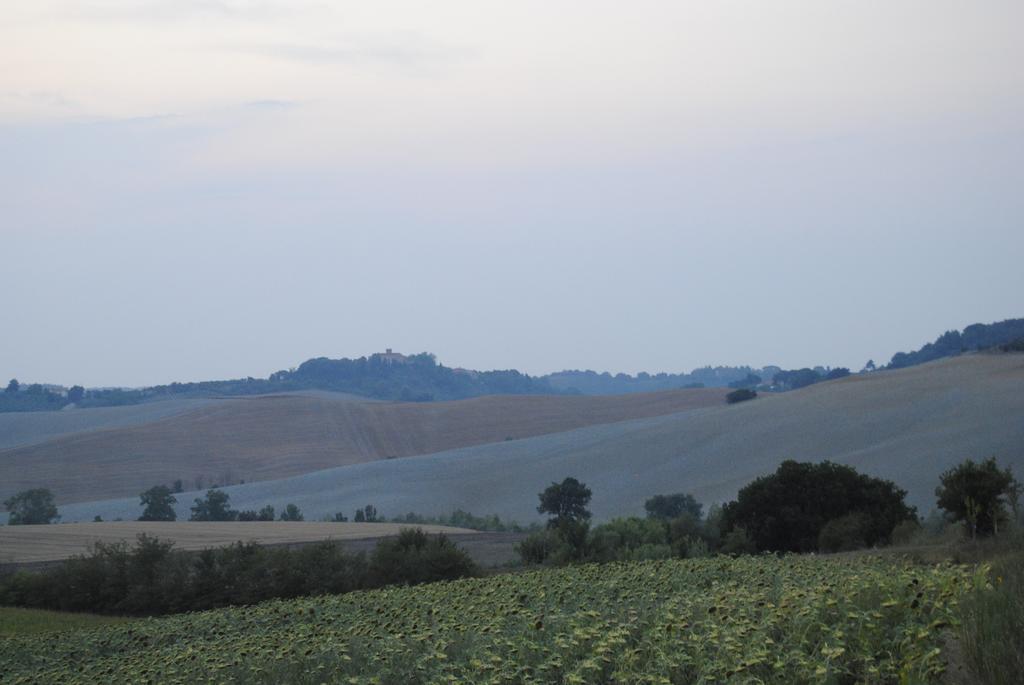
x,y
31,507
977,494
292,513
213,507
13,386
566,502
158,504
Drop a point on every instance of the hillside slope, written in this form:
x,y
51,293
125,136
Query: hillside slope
x,y
907,425
274,436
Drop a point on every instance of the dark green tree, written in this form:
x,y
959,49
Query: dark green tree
x,y
565,502
977,494
76,393
291,513
787,510
31,507
213,507
13,386
158,504
741,395
667,507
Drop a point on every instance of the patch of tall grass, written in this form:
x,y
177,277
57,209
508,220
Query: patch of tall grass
x,y
991,632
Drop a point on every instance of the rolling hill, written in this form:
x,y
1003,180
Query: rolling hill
x,y
274,436
907,425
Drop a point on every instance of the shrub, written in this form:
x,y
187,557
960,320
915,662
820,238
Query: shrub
x,y
843,534
741,395
905,532
414,557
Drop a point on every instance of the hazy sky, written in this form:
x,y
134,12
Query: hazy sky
x,y
203,189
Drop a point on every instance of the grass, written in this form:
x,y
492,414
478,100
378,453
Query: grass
x,y
15,622
991,632
988,644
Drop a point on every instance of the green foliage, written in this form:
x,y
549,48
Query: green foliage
x,y
264,514
787,510
629,539
719,620
978,495
158,504
292,513
151,578
737,541
565,502
464,519
843,534
667,507
991,630
213,507
906,532
952,343
741,395
1013,346
414,557
31,507
18,622
367,514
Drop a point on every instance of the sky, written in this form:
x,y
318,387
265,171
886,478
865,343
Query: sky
x,y
203,189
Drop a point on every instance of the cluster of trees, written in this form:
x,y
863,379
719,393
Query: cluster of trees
x,y
420,378
152,578
952,343
158,505
36,397
594,383
801,507
801,378
464,519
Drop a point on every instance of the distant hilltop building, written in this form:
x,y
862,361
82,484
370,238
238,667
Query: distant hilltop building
x,y
390,357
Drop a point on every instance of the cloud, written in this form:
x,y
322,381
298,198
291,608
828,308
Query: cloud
x,y
401,50
161,11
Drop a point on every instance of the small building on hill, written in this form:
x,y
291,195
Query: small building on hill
x,y
390,357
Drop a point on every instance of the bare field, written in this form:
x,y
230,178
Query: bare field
x,y
33,544
277,436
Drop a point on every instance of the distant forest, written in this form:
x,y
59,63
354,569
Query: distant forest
x,y
975,337
420,378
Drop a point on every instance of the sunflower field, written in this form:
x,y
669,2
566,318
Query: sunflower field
x,y
796,619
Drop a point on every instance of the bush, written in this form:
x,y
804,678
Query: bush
x,y
741,395
414,557
843,534
152,578
906,532
622,539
